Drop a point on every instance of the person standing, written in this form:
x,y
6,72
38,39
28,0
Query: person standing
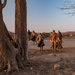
x,y
54,38
40,40
33,37
29,34
59,40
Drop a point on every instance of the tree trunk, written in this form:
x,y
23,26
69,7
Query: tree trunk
x,y
11,56
21,26
2,40
7,50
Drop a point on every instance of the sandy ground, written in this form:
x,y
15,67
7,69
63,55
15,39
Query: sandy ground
x,y
43,62
46,62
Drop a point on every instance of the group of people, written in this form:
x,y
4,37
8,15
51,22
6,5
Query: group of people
x,y
55,39
37,39
32,36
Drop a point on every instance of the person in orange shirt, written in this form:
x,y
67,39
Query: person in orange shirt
x,y
53,40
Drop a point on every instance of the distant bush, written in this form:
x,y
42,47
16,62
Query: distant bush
x,y
46,35
66,35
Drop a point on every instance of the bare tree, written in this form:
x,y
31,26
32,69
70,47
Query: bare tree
x,y
68,7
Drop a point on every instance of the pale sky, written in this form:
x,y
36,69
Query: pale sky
x,y
42,16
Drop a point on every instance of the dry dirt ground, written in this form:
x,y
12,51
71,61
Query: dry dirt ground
x,y
42,62
46,62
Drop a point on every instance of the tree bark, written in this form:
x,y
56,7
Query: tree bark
x,y
7,52
10,56
21,26
2,41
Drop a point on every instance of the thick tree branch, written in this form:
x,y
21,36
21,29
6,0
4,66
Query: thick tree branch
x,y
4,4
69,8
